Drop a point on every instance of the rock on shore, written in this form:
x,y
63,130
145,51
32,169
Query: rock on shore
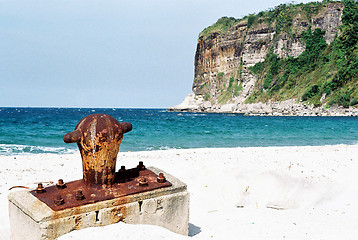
x,y
193,103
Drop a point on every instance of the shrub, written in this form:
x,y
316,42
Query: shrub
x,y
344,98
284,18
222,25
268,81
257,68
353,102
251,20
206,97
310,93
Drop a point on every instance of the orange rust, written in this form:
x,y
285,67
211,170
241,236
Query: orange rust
x,y
127,183
98,137
118,214
78,222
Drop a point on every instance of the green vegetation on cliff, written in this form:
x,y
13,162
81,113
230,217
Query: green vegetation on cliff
x,y
319,73
232,90
221,26
322,74
281,15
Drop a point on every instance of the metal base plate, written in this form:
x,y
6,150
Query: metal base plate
x,y
127,183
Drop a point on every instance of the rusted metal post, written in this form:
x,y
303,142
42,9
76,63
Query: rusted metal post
x,y
103,196
98,137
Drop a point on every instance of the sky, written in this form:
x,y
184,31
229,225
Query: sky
x,y
105,53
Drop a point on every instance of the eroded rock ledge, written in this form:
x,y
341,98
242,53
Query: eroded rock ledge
x,y
193,103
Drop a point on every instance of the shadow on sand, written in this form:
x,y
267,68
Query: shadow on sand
x,y
193,230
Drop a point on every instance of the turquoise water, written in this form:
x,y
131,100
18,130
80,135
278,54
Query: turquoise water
x,y
40,130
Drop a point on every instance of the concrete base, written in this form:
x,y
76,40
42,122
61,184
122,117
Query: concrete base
x,y
168,207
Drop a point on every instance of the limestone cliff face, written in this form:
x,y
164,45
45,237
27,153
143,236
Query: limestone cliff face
x,y
222,58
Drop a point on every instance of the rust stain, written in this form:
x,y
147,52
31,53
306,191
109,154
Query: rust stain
x,y
78,222
118,214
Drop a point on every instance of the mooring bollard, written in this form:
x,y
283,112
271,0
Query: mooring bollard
x,y
138,195
98,137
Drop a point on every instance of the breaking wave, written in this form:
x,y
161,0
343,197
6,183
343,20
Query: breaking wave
x,y
14,149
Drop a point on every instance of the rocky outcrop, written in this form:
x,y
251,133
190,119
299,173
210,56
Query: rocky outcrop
x,y
222,59
284,108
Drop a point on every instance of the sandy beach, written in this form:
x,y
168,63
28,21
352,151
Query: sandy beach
x,y
236,193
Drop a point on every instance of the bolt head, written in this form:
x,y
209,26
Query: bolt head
x,y
79,195
40,188
143,182
161,178
141,166
60,184
59,200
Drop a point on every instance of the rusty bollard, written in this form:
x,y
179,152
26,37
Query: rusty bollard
x,y
98,137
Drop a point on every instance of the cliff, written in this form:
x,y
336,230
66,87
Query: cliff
x,y
232,59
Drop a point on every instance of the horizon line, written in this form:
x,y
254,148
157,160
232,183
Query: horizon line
x,y
86,107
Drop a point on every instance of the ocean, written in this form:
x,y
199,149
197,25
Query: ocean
x,y
40,130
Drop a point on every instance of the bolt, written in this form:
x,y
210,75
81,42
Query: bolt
x,y
79,195
59,200
143,182
141,166
122,174
40,188
60,184
161,178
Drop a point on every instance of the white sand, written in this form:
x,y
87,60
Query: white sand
x,y
237,193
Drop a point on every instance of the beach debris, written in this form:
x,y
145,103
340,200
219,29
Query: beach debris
x,y
276,207
47,183
212,211
18,187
